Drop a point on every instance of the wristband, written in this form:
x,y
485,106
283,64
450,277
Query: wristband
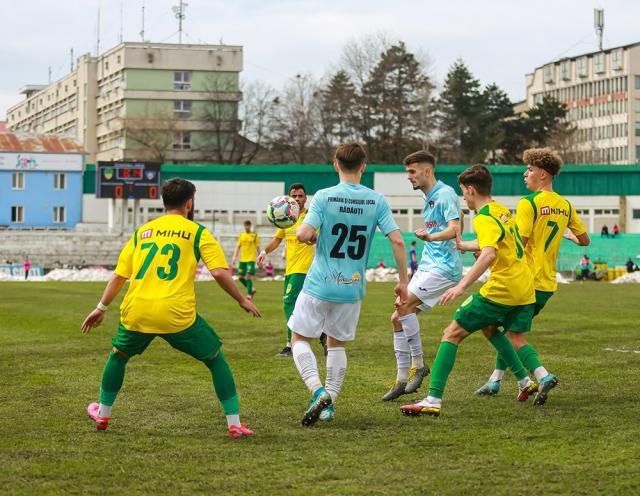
x,y
101,307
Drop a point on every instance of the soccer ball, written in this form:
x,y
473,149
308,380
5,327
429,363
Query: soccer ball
x,y
283,211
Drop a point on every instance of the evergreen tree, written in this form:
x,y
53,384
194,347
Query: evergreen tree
x,y
337,112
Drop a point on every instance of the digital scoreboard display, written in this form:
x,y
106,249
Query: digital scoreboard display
x,y
131,180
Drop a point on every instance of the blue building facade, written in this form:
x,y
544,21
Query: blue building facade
x,y
40,189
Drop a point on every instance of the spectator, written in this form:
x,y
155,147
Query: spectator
x,y
268,269
584,267
381,264
631,267
616,230
604,233
27,267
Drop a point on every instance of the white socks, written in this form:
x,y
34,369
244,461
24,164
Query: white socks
x,y
336,368
411,329
233,420
540,372
523,383
307,365
497,375
104,410
403,358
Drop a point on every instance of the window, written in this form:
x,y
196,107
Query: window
x,y
183,141
638,153
182,80
59,180
638,82
17,214
616,59
581,66
598,63
636,213
182,108
637,128
637,105
565,69
548,73
537,98
59,215
17,180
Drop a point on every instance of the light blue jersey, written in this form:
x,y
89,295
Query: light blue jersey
x,y
347,216
440,206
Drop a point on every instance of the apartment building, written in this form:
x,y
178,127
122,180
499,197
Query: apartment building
x,y
172,103
602,93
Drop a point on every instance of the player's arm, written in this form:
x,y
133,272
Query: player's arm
x,y
273,244
306,234
576,232
581,240
226,282
465,246
234,259
400,254
448,233
95,318
484,261
525,217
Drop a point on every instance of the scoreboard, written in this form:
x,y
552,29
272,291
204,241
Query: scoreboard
x,y
131,180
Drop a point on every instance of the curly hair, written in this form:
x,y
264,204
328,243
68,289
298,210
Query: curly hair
x,y
545,158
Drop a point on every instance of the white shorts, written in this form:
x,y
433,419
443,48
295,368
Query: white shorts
x,y
429,287
312,316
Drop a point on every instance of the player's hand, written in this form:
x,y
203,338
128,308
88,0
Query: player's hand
x,y
313,240
401,293
422,234
261,258
248,306
458,240
94,319
451,294
234,260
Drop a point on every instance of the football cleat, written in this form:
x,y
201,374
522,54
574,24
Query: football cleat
x,y
529,390
490,388
416,376
547,383
397,390
286,352
327,414
422,407
101,422
320,400
236,431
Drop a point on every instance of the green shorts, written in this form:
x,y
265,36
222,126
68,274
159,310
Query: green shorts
x,y
542,297
292,286
246,268
478,312
199,340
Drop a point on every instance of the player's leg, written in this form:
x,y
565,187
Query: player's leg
x,y
125,345
306,324
492,386
251,272
202,343
292,286
403,360
242,272
452,336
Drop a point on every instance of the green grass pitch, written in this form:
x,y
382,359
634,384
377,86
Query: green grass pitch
x,y
167,434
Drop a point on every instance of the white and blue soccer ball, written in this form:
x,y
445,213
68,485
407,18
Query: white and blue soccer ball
x,y
283,211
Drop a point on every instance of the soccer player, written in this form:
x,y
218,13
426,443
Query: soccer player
x,y
160,260
298,260
440,269
413,260
346,216
505,300
541,218
248,246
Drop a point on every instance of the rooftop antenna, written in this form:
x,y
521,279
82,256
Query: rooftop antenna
x,y
142,30
49,74
598,22
180,15
121,20
98,32
71,58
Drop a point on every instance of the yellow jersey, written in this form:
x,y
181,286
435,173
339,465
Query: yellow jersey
x,y
299,255
160,260
511,281
249,242
543,217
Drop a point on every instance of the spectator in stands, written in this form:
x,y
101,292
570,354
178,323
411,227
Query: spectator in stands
x,y
616,230
27,267
268,269
584,267
631,267
604,233
381,264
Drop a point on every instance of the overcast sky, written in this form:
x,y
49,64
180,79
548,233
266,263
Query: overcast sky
x,y
500,40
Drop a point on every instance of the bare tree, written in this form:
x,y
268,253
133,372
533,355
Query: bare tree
x,y
154,130
256,113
